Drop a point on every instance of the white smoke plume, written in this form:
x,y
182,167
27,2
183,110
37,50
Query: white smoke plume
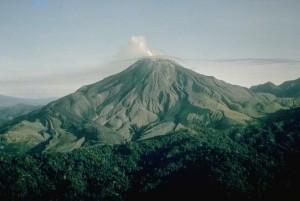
x,y
137,47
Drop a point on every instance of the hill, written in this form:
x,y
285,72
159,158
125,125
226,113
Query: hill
x,y
287,89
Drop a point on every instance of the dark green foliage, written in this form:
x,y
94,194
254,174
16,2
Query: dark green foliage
x,y
259,162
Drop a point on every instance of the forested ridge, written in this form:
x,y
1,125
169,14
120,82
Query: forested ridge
x,y
257,162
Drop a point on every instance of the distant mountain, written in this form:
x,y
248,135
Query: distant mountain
x,y
12,107
286,89
152,97
7,101
11,112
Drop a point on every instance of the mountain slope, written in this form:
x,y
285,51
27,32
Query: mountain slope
x,y
152,97
286,89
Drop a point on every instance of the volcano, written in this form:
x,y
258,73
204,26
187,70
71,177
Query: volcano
x,y
152,97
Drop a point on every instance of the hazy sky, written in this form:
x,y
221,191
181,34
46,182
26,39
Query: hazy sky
x,y
52,47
